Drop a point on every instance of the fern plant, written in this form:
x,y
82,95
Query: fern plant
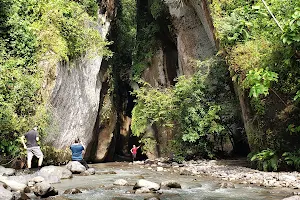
x,y
266,160
292,159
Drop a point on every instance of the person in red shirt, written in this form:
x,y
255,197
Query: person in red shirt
x,y
134,151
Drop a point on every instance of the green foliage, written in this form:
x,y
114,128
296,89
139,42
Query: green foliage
x,y
262,58
235,28
53,156
197,116
149,110
266,160
90,6
149,144
297,95
188,109
292,159
292,30
293,129
148,29
145,45
259,81
157,8
67,30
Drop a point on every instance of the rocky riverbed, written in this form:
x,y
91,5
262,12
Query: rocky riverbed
x,y
229,172
151,179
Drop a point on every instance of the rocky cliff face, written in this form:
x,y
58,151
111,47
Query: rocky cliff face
x,y
76,95
192,40
75,101
194,31
82,105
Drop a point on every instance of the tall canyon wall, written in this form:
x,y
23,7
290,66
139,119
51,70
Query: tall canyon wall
x,y
77,93
81,101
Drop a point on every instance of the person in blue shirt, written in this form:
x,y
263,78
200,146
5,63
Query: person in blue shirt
x,y
77,151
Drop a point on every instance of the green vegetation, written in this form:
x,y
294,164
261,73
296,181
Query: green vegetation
x,y
270,160
292,159
259,81
192,109
150,16
264,62
32,31
266,160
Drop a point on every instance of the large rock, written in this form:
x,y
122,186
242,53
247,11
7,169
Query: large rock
x,y
120,182
2,178
22,178
142,190
72,191
74,89
170,184
5,194
146,184
44,189
38,179
53,174
6,171
20,196
92,171
75,167
296,197
106,133
15,186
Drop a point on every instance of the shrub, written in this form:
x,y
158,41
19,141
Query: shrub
x,y
266,160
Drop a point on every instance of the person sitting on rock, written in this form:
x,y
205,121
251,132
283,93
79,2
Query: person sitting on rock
x,y
134,151
77,151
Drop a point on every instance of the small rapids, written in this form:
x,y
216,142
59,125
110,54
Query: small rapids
x,y
100,186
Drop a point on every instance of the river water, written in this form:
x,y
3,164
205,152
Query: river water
x,y
100,186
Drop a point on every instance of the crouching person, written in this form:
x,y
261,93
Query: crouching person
x,y
77,152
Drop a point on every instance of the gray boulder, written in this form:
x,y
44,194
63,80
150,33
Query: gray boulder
x,y
170,184
53,174
5,194
20,196
147,184
6,171
15,186
72,191
22,178
120,182
90,171
152,198
66,174
38,179
226,185
44,189
296,197
142,190
75,167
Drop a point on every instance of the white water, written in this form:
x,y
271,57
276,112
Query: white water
x,y
193,188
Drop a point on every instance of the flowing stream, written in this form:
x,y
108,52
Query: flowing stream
x,y
100,186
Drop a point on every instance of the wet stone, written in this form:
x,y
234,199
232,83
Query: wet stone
x,y
72,191
121,198
152,198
